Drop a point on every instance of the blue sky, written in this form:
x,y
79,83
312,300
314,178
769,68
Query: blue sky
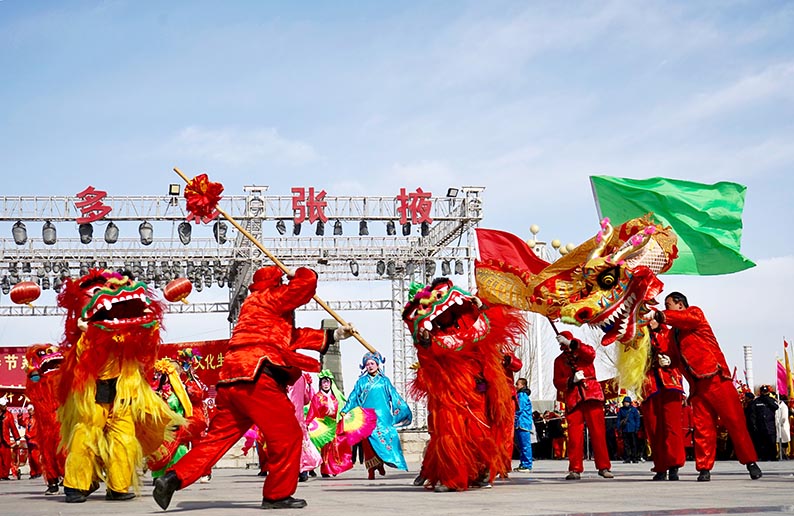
x,y
526,99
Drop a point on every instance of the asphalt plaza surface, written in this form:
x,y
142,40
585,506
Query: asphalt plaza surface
x,y
542,491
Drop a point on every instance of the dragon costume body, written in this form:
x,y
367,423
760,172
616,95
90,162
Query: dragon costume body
x,y
110,416
607,282
43,364
461,346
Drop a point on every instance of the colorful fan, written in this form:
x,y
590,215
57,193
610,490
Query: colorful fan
x,y
358,424
322,431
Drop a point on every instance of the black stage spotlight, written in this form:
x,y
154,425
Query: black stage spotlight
x,y
281,227
20,233
111,233
354,267
146,231
338,228
48,233
407,229
363,230
390,230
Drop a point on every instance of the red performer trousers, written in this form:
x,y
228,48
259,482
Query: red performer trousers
x,y
663,417
240,405
590,412
34,461
6,459
710,398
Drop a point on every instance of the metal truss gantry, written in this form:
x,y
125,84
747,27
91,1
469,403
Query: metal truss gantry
x,y
446,248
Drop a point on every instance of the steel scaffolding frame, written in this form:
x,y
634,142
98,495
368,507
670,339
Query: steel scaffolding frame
x,y
395,258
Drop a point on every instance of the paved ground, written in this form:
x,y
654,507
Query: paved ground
x,y
238,492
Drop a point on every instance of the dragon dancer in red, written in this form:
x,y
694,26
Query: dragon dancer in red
x,y
577,387
712,393
662,412
261,360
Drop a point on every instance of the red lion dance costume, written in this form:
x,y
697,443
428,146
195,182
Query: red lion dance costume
x,y
110,417
43,363
461,347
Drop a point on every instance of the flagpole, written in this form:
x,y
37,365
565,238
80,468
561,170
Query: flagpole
x,y
284,268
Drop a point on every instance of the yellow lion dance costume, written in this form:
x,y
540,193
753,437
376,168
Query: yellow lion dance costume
x,y
111,419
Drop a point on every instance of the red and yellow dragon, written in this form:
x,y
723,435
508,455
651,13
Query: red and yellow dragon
x,y
607,282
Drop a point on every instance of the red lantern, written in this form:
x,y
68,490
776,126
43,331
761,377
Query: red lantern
x,y
177,290
25,292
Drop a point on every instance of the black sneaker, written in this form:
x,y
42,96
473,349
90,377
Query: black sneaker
x,y
573,475
419,481
704,476
164,488
52,489
285,503
303,476
661,475
754,470
117,496
74,495
605,473
672,473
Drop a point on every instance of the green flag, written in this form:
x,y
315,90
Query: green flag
x,y
706,218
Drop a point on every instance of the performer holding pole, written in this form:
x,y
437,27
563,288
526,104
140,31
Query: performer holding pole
x,y
260,362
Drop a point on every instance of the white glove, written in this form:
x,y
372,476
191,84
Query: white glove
x,y
343,332
563,341
664,360
578,376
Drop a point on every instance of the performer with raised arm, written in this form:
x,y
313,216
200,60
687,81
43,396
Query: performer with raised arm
x,y
260,362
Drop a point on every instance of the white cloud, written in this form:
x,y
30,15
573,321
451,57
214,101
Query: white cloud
x,y
773,81
747,308
241,147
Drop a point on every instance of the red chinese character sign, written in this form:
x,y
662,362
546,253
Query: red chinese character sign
x,y
12,367
202,197
91,206
417,205
311,205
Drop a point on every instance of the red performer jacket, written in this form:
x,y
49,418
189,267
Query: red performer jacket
x,y
700,353
662,378
265,333
9,428
579,357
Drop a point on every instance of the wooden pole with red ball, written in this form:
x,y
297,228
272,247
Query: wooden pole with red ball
x,y
283,267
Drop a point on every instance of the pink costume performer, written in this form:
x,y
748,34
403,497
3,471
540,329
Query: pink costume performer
x,y
337,454
300,393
